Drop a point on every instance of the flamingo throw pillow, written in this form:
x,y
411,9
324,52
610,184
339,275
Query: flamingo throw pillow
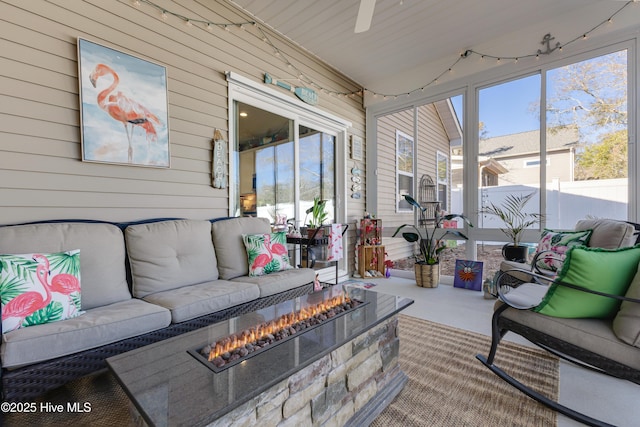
x,y
39,288
267,253
555,244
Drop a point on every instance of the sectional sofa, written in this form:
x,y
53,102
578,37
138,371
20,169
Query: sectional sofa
x,y
139,283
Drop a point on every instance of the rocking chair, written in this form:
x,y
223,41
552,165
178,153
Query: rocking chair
x,y
604,345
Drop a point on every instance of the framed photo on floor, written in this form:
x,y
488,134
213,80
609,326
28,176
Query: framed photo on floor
x,y
124,117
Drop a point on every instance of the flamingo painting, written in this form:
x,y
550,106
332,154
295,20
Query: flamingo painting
x,y
120,91
124,109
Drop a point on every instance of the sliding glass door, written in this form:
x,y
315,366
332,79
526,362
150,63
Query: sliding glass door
x,y
317,169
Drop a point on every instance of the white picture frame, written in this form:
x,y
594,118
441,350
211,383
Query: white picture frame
x,y
124,117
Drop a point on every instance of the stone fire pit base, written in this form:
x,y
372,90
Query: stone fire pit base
x,y
349,386
343,372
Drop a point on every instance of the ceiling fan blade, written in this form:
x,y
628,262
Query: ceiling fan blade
x,y
365,15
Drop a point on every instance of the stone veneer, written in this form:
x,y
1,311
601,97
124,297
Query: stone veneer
x,y
334,390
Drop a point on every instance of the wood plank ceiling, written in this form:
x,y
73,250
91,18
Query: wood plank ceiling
x,y
409,35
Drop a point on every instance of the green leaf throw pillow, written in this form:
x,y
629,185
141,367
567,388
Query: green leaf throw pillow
x,y
555,245
39,288
266,253
603,270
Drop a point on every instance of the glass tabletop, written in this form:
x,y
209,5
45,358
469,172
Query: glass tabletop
x,y
169,386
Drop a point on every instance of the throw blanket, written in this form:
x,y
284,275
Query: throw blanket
x,y
335,243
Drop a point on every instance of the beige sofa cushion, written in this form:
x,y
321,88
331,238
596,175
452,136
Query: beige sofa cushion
x,y
170,254
279,281
102,254
230,249
97,327
197,300
608,233
626,324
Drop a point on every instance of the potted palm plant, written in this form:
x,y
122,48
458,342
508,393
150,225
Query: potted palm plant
x,y
512,213
318,216
431,244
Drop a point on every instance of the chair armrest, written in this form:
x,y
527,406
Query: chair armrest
x,y
522,296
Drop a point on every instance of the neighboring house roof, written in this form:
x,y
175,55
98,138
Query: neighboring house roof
x,y
449,122
528,143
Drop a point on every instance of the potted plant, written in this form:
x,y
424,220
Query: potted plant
x,y
512,213
318,216
427,267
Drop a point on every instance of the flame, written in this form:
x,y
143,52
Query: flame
x,y
258,332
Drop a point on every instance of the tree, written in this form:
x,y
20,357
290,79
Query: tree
x,y
604,160
592,95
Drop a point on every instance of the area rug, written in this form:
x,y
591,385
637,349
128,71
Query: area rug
x,y
448,386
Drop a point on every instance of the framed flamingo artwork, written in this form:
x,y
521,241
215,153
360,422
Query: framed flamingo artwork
x,y
124,116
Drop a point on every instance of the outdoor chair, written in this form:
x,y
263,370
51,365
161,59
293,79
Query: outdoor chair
x,y
605,233
589,315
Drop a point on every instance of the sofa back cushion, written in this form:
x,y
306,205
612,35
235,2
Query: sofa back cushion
x,y
170,254
608,233
230,250
102,260
626,324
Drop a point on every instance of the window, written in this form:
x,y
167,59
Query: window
x,y
578,167
404,168
265,147
317,169
442,173
509,136
535,163
587,136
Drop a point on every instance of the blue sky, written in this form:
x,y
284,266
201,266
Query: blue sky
x,y
505,108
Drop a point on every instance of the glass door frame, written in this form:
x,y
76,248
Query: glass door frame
x,y
249,92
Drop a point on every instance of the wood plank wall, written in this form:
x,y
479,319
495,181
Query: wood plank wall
x,y
431,137
41,172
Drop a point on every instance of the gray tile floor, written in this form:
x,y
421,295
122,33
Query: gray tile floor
x,y
608,399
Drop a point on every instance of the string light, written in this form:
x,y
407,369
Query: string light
x,y
208,25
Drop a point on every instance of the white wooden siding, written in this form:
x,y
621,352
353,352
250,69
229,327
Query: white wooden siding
x,y
41,174
431,137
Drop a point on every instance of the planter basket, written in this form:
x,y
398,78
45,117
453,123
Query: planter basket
x,y
427,276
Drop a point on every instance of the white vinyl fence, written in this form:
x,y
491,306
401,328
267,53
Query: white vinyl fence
x,y
567,202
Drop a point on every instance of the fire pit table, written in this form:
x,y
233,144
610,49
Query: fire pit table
x,y
338,362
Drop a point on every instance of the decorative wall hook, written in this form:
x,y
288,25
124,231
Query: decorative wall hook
x,y
547,39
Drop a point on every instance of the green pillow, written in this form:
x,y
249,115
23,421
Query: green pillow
x,y
603,270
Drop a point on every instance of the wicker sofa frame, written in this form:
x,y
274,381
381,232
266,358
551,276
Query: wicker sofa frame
x,y
33,380
500,325
30,381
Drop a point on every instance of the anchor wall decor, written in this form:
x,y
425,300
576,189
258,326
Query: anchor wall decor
x,y
547,39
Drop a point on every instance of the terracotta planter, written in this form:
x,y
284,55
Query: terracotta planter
x,y
427,275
